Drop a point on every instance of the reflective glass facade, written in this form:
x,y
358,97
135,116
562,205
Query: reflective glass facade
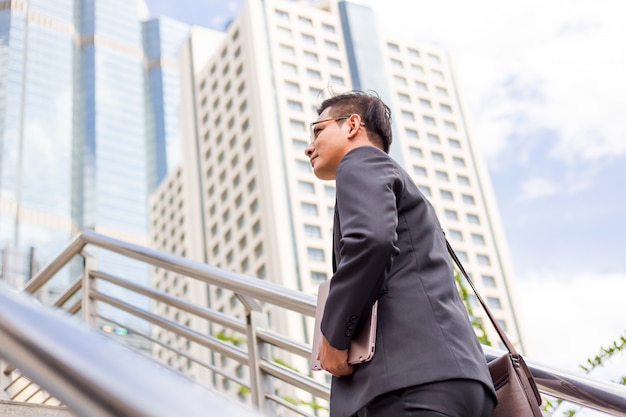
x,y
162,39
88,104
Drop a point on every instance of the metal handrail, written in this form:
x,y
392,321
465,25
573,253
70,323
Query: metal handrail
x,y
94,375
606,397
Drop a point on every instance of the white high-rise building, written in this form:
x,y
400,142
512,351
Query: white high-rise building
x,y
245,198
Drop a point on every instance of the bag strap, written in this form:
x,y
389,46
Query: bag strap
x,y
497,326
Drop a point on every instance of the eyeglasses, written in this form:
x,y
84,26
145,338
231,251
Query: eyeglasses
x,y
314,132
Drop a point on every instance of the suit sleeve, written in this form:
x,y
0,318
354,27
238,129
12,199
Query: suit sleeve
x,y
366,186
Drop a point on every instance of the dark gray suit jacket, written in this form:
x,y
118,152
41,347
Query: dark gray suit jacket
x,y
388,245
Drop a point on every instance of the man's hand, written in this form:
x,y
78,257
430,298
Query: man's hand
x,y
334,360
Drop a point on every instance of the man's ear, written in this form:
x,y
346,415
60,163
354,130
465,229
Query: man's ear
x,y
355,123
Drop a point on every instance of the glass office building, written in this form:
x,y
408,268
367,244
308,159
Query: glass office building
x,y
88,118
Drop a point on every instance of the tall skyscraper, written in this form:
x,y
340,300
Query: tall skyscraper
x,y
89,100
245,198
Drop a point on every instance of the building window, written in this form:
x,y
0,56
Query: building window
x,y
437,157
292,87
494,302
463,180
455,235
478,239
313,74
425,103
328,28
468,199
309,209
287,50
306,187
258,250
417,70
416,152
446,195
310,56
331,45
299,145
425,190
473,219
318,276
336,80
404,98
334,63
308,39
297,125
411,133
303,166
434,59
483,260
451,215
282,15
442,176
438,75
289,68
294,105
429,121
315,254
419,171
399,80
407,115
488,281
312,231
305,21
451,126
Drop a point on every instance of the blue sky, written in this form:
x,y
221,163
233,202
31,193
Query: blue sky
x,y
545,97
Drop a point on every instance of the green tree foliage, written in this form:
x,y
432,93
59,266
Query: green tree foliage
x,y
606,353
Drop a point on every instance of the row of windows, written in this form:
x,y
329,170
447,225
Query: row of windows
x,y
424,103
290,68
307,187
414,53
302,21
448,195
443,176
483,260
409,116
451,214
477,238
312,210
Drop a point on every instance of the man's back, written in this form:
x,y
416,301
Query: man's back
x,y
424,334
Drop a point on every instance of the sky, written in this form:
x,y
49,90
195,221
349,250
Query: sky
x,y
545,97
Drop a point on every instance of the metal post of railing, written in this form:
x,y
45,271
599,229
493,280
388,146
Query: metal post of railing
x,y
88,307
4,381
258,350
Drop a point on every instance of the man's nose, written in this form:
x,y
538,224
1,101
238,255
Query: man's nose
x,y
309,150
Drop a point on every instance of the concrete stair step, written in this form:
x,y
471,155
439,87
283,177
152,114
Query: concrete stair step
x,y
19,409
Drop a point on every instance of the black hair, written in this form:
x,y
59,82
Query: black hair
x,y
375,114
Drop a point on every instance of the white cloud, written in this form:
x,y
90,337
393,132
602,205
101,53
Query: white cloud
x,y
537,187
567,319
530,66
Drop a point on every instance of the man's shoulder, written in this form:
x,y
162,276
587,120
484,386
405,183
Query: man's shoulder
x,y
365,155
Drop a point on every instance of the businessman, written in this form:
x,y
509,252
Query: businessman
x,y
388,246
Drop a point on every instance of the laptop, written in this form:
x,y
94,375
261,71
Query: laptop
x,y
363,344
